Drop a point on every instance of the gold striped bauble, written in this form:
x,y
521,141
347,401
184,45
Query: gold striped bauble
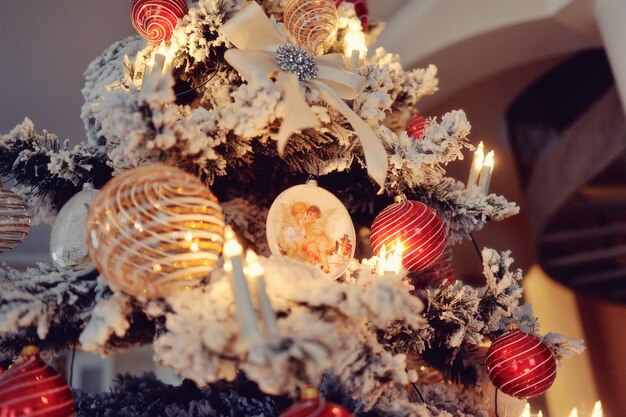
x,y
155,230
14,220
311,23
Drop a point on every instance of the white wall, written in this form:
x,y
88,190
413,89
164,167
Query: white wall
x,y
45,46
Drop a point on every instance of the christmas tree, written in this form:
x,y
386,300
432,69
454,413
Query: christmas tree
x,y
265,126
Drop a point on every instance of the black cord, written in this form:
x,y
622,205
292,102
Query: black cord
x,y
496,404
217,68
478,251
72,367
419,393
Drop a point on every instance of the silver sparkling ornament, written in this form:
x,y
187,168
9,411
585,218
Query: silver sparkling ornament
x,y
295,59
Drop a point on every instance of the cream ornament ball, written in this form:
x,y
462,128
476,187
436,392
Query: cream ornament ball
x,y
309,224
311,23
68,241
155,230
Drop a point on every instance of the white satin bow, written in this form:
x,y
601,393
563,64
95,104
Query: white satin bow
x,y
257,40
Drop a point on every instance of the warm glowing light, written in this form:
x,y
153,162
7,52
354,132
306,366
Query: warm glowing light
x,y
45,400
597,410
526,412
574,412
390,261
540,413
354,44
354,38
228,265
253,267
489,160
231,245
167,54
479,156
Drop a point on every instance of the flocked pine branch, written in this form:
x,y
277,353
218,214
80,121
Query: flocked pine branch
x,y
48,170
42,306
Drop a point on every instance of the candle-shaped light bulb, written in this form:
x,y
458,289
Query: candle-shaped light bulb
x,y
574,412
525,412
477,165
382,261
159,63
540,413
395,261
254,268
241,292
255,271
231,245
485,173
597,410
354,44
390,261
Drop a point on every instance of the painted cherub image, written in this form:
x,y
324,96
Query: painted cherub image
x,y
317,243
303,234
292,231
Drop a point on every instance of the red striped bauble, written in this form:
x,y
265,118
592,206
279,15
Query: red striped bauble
x,y
439,272
33,389
155,20
521,365
416,226
416,126
313,406
362,11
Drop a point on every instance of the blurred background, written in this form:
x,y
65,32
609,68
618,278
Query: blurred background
x,y
543,83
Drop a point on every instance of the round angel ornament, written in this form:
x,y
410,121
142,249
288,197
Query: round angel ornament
x,y
309,224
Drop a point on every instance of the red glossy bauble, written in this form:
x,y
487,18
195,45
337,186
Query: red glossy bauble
x,y
33,388
416,126
439,272
362,11
155,20
313,406
417,227
521,365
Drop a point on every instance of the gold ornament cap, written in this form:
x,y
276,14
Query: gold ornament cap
x,y
309,394
400,198
29,351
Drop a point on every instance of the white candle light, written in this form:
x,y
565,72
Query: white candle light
x,y
574,412
597,410
390,263
255,271
243,302
526,412
477,165
485,173
159,64
354,45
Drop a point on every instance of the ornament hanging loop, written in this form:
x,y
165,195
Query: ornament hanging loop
x,y
400,198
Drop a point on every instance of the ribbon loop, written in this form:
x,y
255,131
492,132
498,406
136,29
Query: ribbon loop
x,y
257,40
